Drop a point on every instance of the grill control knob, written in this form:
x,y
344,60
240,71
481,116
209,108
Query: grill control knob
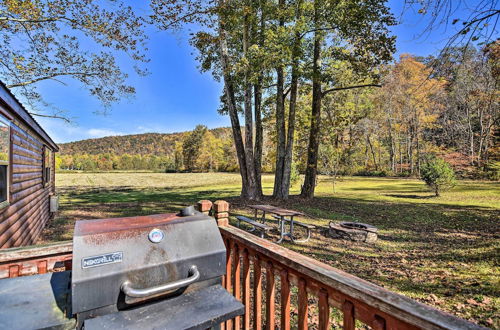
x,y
156,235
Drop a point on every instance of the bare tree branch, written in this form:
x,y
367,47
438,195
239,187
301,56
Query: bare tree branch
x,y
51,116
40,20
52,76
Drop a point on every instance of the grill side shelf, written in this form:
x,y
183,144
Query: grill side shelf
x,y
200,309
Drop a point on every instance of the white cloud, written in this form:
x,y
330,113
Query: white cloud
x,y
101,132
62,132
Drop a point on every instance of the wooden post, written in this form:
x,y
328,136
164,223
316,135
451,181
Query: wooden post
x,y
237,281
246,289
349,320
302,304
205,206
324,310
221,213
285,300
270,295
257,293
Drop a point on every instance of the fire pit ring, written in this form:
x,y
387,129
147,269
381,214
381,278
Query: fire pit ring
x,y
354,231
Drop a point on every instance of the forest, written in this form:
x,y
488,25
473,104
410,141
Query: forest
x,y
418,111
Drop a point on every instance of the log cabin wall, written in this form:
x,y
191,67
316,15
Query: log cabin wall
x,y
27,212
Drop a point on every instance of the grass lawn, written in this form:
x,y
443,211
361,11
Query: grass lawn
x,y
443,251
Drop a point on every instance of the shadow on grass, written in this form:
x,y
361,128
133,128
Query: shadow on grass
x,y
428,237
409,196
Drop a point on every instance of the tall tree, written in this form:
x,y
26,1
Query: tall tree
x,y
356,31
225,39
57,40
192,145
284,153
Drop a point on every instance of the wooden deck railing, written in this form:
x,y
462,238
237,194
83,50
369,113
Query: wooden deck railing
x,y
32,260
279,288
287,273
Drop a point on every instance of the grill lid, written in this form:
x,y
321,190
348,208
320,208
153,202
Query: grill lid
x,y
141,257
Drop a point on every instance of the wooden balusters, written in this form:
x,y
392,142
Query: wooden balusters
x,y
302,304
324,310
270,296
237,282
14,271
246,289
42,267
285,300
378,323
229,323
257,294
349,320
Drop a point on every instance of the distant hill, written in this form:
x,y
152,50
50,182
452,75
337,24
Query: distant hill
x,y
135,144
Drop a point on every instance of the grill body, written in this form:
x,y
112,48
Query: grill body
x,y
150,272
109,253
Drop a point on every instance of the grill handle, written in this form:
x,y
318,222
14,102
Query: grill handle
x,y
143,293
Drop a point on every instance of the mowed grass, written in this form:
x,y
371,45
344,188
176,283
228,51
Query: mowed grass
x,y
443,251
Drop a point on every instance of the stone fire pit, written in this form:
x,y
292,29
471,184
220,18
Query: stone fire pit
x,y
354,231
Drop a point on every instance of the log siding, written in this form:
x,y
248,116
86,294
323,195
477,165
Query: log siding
x,y
28,211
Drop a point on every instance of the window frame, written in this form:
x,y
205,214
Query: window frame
x,y
7,162
46,156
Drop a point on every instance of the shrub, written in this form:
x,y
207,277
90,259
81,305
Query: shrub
x,y
493,171
365,172
438,175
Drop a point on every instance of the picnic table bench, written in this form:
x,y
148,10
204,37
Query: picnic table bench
x,y
307,226
263,227
283,216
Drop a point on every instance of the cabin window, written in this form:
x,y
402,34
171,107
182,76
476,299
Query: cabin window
x,y
47,156
4,161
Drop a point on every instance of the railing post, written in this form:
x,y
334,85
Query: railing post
x,y
257,293
378,323
14,271
303,304
270,296
204,206
349,320
285,300
237,281
221,213
324,310
229,323
246,289
42,267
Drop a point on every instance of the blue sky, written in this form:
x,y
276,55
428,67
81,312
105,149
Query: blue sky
x,y
176,96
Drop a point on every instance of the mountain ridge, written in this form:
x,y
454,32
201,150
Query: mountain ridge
x,y
133,144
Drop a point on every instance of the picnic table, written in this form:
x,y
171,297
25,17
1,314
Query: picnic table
x,y
282,215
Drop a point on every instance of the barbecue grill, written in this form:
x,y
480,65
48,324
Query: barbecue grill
x,y
151,272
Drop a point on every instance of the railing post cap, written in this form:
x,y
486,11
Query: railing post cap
x,y
204,205
221,206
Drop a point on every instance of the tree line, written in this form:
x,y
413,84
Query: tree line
x,y
308,69
420,111
307,84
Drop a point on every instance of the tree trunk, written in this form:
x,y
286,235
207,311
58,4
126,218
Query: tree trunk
x,y
249,189
312,154
249,157
259,130
392,147
259,134
372,151
294,86
280,122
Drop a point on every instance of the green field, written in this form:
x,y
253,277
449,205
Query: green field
x,y
443,251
